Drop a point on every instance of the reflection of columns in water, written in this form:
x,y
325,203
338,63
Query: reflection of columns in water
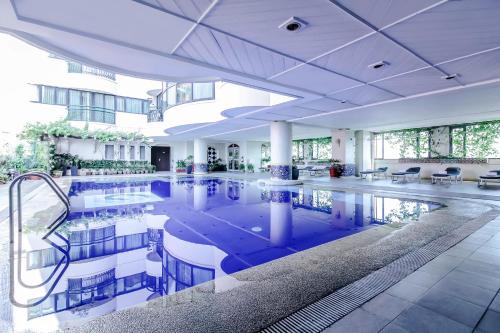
x,y
200,194
281,218
200,156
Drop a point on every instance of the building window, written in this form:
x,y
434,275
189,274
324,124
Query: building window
x,y
203,91
122,152
184,92
120,104
48,95
142,153
413,143
109,152
61,96
133,105
479,140
132,153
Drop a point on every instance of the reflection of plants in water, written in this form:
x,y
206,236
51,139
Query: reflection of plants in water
x,y
407,210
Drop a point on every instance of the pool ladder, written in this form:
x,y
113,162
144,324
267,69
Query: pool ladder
x,y
15,192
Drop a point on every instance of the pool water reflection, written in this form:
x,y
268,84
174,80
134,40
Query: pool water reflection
x,y
132,241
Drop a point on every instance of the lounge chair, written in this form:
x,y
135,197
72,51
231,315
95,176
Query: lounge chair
x,y
449,174
374,173
494,177
413,172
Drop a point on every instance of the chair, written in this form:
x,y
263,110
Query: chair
x,y
493,178
450,172
382,170
413,172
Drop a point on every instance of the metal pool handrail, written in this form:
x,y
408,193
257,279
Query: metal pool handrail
x,y
16,183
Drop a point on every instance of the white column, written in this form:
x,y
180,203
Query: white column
x,y
363,151
281,150
200,156
280,232
343,148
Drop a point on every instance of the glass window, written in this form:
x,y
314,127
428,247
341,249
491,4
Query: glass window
x,y
379,141
75,97
61,96
172,95
48,95
109,102
133,105
203,90
98,100
120,104
142,153
145,107
132,153
109,152
184,92
122,152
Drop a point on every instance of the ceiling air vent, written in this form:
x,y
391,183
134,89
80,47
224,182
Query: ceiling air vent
x,y
293,24
449,76
378,64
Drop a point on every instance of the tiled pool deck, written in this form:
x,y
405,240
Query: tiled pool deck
x,y
456,292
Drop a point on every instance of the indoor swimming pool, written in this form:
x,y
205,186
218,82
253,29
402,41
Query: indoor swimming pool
x,y
129,241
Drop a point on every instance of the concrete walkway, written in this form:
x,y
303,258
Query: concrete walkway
x,y
456,292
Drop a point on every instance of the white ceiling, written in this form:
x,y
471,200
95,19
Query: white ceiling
x,y
325,65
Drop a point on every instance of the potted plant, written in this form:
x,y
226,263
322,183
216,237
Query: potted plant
x,y
295,171
180,166
189,164
241,167
336,168
74,165
250,167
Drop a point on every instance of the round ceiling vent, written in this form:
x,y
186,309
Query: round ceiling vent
x,y
293,24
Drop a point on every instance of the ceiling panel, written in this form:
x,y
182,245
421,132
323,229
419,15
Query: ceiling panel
x,y
327,104
417,82
478,68
383,12
84,17
258,21
452,30
192,9
297,112
364,95
355,59
225,51
315,79
269,116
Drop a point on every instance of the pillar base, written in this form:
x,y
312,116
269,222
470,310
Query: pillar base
x,y
200,168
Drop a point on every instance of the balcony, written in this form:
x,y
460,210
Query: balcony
x,y
74,67
155,115
91,114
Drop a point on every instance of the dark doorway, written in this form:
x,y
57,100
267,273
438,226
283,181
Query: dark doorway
x,y
160,156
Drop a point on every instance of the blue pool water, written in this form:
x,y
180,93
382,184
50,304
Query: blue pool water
x,y
132,241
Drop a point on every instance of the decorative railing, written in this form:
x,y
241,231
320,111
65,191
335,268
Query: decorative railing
x,y
155,115
74,67
91,113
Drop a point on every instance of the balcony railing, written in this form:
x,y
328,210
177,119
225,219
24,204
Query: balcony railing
x,y
91,113
74,67
181,93
155,115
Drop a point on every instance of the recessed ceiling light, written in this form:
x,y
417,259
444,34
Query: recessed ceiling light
x,y
449,76
378,64
293,24
343,101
